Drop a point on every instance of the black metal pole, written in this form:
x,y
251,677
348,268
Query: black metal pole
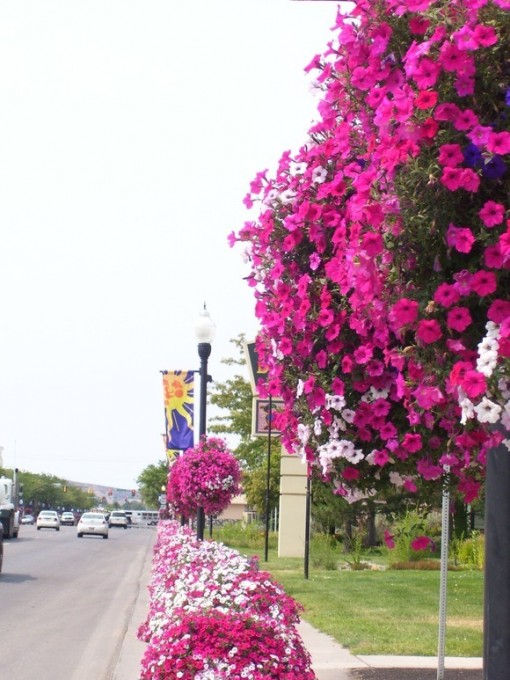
x,y
307,518
204,352
496,648
268,478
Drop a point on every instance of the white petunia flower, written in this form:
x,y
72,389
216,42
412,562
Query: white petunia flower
x,y
288,197
303,432
319,174
298,168
492,329
487,411
486,363
468,410
488,345
396,479
504,387
335,401
378,394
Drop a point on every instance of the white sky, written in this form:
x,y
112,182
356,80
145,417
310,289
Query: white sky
x,y
129,133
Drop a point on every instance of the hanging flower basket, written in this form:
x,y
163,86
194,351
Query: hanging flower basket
x,y
205,476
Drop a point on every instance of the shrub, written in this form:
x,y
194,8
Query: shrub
x,y
324,552
408,541
468,552
244,535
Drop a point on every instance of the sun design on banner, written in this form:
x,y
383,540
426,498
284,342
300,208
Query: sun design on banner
x,y
178,389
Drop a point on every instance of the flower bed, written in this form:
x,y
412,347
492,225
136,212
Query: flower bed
x,y
214,615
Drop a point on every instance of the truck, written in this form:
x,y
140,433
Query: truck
x,y
9,510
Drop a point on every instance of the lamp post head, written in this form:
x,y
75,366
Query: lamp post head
x,y
204,327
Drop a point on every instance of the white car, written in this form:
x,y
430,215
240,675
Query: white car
x,y
93,523
67,518
48,519
118,519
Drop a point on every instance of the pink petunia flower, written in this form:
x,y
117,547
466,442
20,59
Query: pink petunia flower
x,y
504,244
499,311
412,442
460,238
422,543
381,457
484,283
493,258
427,396
499,143
447,112
373,243
404,312
350,473
492,213
473,383
410,485
428,470
450,155
428,331
469,180
426,99
389,539
484,35
446,295
458,319
451,178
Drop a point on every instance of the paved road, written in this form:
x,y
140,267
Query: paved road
x,y
65,602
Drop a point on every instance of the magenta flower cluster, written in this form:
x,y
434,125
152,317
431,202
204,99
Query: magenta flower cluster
x,y
213,614
207,476
380,253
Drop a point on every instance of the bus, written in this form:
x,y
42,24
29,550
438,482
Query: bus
x,y
141,518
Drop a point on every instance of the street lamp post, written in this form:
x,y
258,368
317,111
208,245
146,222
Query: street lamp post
x,y
204,332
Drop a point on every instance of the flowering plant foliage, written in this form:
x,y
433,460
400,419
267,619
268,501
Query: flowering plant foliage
x,y
206,476
213,614
381,253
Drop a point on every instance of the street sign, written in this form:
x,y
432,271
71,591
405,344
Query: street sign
x,y
262,413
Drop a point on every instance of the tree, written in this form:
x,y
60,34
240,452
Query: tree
x,y
49,491
152,481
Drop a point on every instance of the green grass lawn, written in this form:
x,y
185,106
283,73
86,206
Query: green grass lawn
x,y
385,612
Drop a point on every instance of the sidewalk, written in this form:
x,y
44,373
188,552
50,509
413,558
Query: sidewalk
x,y
330,660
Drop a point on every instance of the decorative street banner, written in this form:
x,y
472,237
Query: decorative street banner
x,y
263,413
257,372
178,387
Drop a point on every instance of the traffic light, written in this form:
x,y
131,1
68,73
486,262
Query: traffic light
x,y
133,492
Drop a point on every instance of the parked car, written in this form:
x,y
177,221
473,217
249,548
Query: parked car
x,y
118,518
28,519
67,519
1,546
93,523
48,519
